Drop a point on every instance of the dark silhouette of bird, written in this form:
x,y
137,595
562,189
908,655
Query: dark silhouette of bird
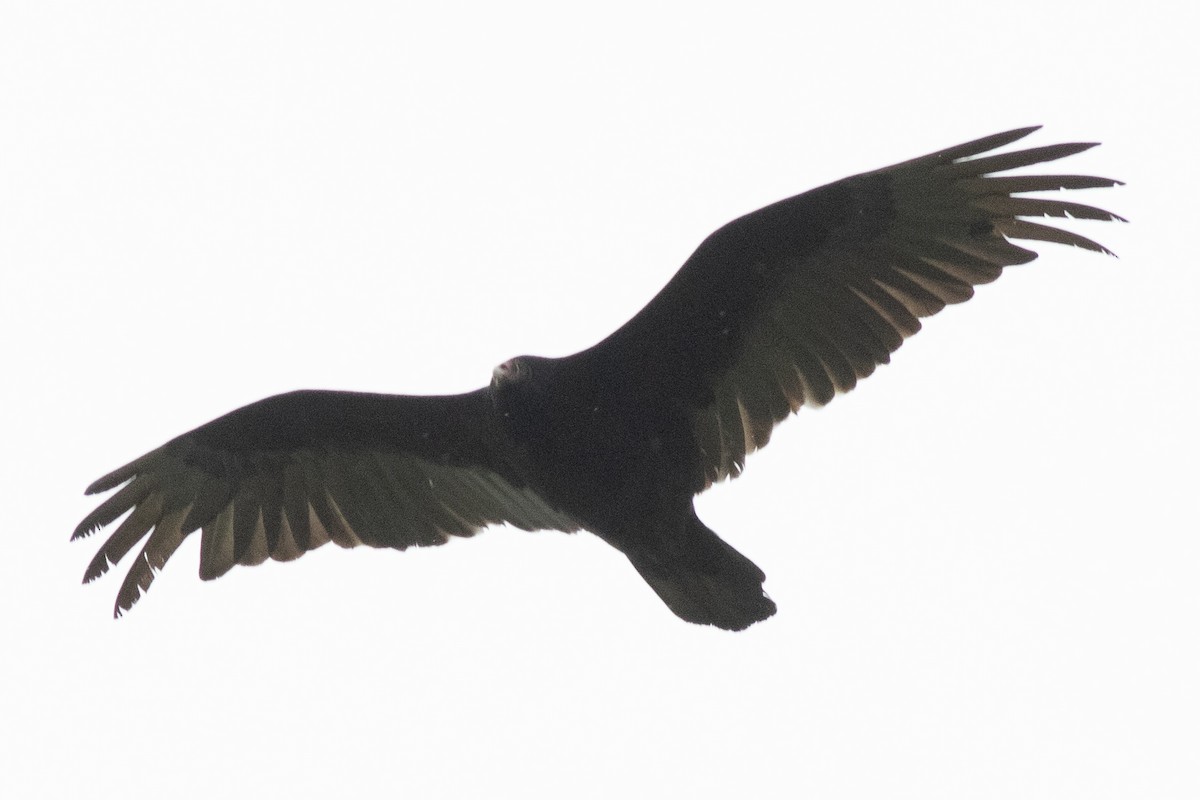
x,y
784,307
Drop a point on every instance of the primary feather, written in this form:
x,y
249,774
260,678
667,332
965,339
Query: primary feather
x,y
787,306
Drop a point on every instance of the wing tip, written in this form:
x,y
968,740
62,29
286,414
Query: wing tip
x,y
125,602
99,566
1006,137
994,141
112,480
125,472
85,529
1021,133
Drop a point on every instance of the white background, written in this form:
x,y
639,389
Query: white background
x,y
985,558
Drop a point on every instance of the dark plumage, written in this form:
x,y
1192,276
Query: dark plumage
x,y
781,308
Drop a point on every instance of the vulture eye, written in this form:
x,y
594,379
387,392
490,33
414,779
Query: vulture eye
x,y
508,371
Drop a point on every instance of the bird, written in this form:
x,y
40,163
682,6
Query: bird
x,y
788,306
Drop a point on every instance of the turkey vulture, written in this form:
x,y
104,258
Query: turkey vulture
x,y
781,308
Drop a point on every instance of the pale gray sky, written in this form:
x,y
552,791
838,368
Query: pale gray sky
x,y
985,558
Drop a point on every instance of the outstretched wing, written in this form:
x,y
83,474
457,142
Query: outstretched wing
x,y
799,300
287,474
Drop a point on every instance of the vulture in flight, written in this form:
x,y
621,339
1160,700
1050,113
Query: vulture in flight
x,y
784,307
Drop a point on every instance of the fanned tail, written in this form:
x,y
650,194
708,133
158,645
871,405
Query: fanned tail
x,y
702,579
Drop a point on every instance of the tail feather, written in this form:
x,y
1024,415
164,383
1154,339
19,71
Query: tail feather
x,y
702,579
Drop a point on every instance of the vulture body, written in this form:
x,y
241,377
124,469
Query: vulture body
x,y
784,307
